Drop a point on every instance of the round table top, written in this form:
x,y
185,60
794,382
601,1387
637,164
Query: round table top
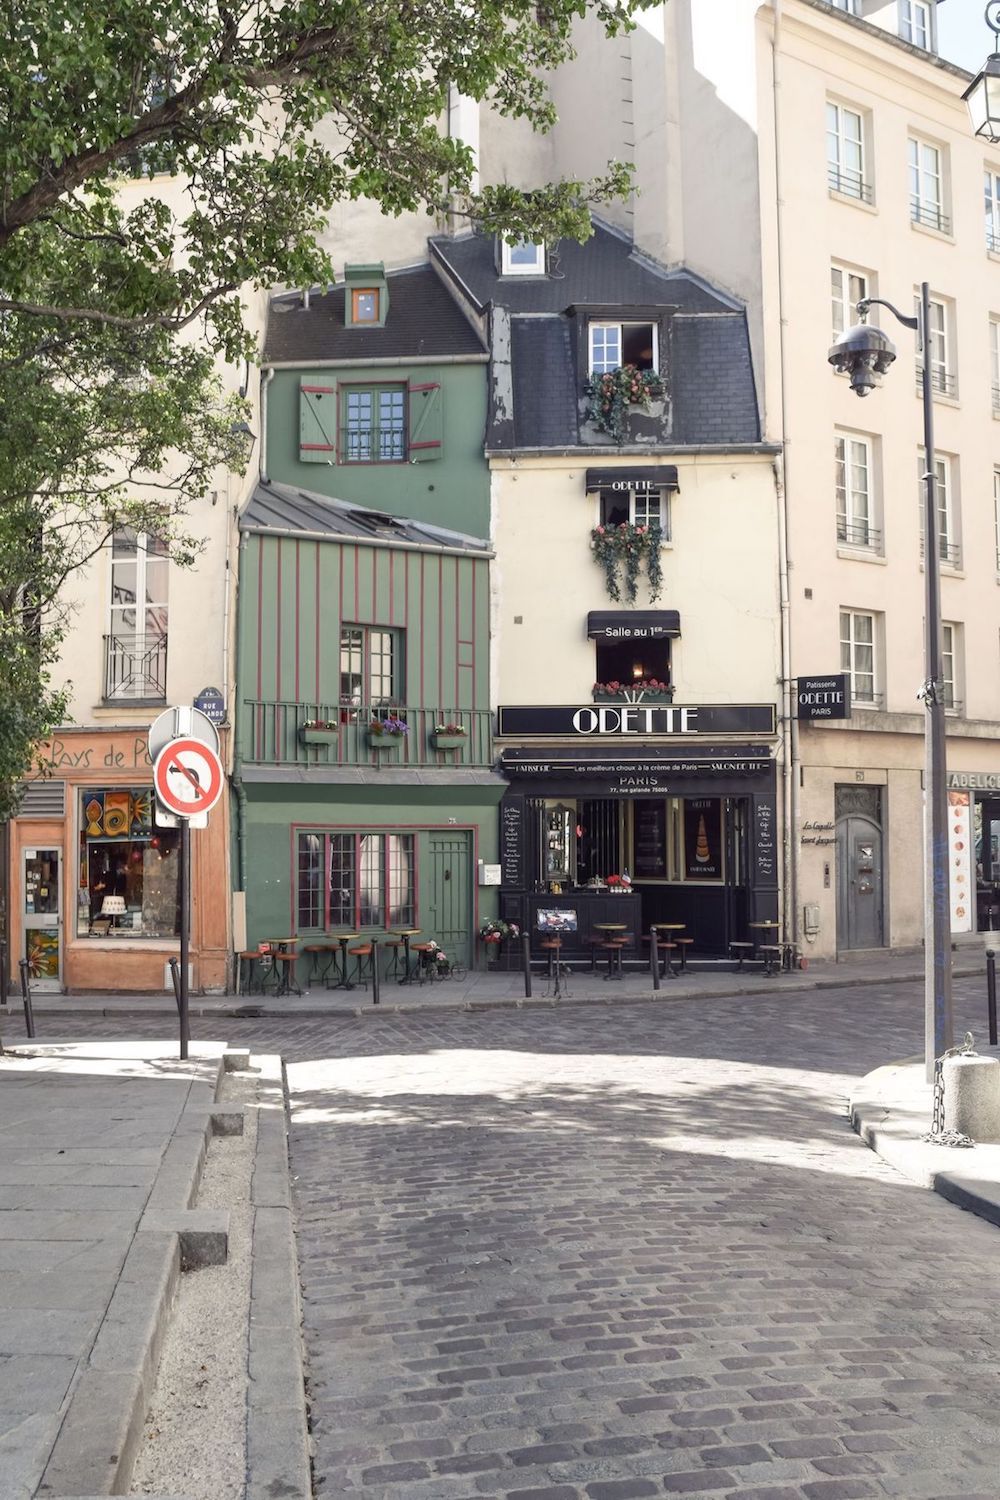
x,y
343,937
668,926
611,926
763,924
405,931
281,942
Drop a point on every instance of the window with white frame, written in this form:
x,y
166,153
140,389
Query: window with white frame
x,y
136,654
991,183
927,186
915,22
995,364
852,7
848,287
949,550
940,352
845,151
522,258
855,510
858,655
615,344
951,640
645,505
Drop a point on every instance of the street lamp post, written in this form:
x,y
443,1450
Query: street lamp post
x,y
864,352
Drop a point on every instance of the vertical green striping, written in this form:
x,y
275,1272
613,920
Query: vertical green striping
x,y
289,623
330,619
308,606
268,617
466,674
385,612
363,563
443,572
248,604
413,646
482,633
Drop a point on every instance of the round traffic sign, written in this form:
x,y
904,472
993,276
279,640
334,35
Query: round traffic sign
x,y
181,723
187,776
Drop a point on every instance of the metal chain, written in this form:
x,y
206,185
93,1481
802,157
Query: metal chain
x,y
937,1134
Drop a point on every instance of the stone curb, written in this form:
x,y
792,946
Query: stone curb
x,y
278,1445
103,1422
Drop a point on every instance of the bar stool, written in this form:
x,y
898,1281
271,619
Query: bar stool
x,y
422,950
246,972
595,944
664,946
362,969
284,968
683,943
393,946
317,969
613,947
556,968
740,951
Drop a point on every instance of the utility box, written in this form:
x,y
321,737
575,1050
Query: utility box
x,y
810,919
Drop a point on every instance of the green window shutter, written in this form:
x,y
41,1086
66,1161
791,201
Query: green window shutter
x,y
317,423
426,423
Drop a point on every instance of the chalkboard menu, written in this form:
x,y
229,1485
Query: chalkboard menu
x,y
765,854
651,839
512,842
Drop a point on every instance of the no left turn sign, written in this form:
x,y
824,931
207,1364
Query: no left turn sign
x,y
187,775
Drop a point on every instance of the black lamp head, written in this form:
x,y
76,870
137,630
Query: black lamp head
x,y
863,352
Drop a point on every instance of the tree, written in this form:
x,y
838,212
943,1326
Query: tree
x,y
110,413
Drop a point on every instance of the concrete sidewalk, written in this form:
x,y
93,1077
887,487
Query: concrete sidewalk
x,y
104,1145
485,991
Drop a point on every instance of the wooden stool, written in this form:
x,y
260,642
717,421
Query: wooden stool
x,y
613,948
740,951
683,944
246,965
553,947
317,952
284,967
395,947
362,971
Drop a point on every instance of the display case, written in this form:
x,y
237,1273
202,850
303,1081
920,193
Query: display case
x,y
559,844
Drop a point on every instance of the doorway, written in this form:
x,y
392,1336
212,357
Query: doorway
x,y
42,916
860,896
449,902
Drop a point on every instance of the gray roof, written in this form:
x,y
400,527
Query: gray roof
x,y
606,271
284,508
424,320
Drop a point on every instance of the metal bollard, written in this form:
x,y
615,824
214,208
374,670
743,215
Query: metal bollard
x,y
4,977
654,958
175,975
991,993
526,963
29,1015
376,981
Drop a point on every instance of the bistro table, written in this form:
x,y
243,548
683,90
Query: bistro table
x,y
406,933
766,930
284,964
613,933
668,928
344,939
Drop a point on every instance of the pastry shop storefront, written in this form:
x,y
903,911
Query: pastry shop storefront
x,y
93,880
639,813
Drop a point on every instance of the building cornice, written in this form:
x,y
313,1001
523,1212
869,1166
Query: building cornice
x,y
879,33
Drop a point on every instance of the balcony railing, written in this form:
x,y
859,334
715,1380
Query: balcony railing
x,y
135,667
943,381
858,534
949,552
850,184
929,215
274,733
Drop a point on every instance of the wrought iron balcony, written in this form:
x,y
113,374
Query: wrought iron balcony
x,y
929,215
135,668
336,734
848,182
858,534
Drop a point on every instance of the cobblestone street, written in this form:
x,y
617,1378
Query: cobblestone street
x,y
608,1253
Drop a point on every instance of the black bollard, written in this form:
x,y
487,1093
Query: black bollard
x,y
376,981
526,963
3,972
991,993
29,1015
175,975
654,958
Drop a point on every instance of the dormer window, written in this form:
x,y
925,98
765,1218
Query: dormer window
x,y
615,344
522,258
365,304
915,22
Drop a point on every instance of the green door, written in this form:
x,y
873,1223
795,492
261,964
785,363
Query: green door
x,y
449,894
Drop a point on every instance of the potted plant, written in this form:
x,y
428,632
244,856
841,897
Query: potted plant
x,y
642,690
632,546
612,394
387,733
448,736
317,732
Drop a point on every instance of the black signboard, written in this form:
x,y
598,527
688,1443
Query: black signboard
x,y
703,838
212,704
765,852
512,842
633,624
637,477
824,697
651,839
604,721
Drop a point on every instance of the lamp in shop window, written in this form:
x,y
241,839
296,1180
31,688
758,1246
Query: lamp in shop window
x,y
113,907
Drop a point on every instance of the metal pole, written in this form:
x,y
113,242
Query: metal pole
x,y
526,963
185,905
376,981
991,993
175,979
654,958
937,927
3,971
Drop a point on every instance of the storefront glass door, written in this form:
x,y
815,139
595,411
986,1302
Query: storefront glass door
x,y
42,916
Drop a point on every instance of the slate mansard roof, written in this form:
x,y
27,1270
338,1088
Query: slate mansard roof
x,y
704,340
424,321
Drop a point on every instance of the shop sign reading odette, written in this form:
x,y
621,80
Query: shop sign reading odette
x,y
172,726
642,718
824,697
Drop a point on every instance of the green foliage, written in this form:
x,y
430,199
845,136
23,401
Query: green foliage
x,y
632,546
612,394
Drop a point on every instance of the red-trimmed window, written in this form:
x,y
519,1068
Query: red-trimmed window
x,y
355,880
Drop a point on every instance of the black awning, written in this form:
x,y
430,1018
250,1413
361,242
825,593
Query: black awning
x,y
639,477
633,624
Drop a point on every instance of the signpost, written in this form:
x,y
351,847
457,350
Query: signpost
x,y
188,780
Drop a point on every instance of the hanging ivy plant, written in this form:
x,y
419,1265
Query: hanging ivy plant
x,y
612,394
632,546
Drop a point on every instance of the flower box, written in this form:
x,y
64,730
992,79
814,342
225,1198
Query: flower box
x,y
312,734
647,695
442,740
388,744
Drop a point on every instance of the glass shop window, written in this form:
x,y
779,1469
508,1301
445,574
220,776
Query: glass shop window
x,y
127,882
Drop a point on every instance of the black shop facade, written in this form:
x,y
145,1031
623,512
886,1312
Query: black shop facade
x,y
639,813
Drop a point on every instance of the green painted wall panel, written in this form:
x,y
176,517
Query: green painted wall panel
x,y
453,491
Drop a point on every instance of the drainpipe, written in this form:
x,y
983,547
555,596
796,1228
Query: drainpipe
x,y
268,377
790,739
237,777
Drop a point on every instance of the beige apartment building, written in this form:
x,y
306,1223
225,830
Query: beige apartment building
x,y
804,155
